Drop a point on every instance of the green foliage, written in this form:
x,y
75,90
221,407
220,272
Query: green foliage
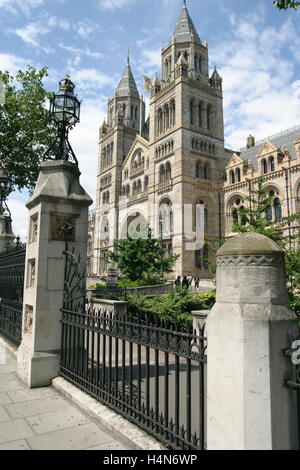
x,y
175,306
26,130
292,264
254,219
286,4
147,281
141,258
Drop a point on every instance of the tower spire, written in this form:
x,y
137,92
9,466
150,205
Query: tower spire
x,y
185,27
127,85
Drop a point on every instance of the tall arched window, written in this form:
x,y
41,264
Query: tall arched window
x,y
209,117
200,64
264,164
277,209
192,111
168,171
269,215
272,163
206,171
232,177
172,113
162,174
238,175
200,114
199,170
146,182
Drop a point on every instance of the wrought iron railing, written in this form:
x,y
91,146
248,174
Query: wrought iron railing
x,y
151,373
110,293
12,268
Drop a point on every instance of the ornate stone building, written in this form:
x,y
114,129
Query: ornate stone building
x,y
157,171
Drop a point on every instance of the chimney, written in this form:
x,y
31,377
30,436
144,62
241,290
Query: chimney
x,y
250,142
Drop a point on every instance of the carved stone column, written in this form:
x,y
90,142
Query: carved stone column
x,y
249,406
57,209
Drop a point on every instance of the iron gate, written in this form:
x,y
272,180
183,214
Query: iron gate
x,y
146,370
12,267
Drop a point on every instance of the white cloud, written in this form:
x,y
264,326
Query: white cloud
x,y
30,34
17,6
90,79
19,215
12,63
80,51
84,140
258,64
113,4
86,27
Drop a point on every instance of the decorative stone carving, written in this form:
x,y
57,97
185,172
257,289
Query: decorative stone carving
x,y
250,260
62,227
34,229
31,273
28,320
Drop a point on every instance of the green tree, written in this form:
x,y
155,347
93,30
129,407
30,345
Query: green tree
x,y
26,130
255,219
286,4
141,258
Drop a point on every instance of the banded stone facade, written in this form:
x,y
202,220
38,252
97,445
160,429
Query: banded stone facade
x,y
156,171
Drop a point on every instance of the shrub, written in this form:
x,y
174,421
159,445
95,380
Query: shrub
x,y
175,306
127,283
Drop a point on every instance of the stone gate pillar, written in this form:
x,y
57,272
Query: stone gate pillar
x,y
58,200
248,405
6,234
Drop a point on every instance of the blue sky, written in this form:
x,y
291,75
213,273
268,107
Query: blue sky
x,y
255,47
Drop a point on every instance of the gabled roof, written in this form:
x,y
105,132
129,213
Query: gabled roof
x,y
286,140
185,30
127,85
139,141
267,148
235,160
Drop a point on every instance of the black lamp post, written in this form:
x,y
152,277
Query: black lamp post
x,y
5,190
65,111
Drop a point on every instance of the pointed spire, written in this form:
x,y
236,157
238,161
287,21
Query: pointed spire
x,y
185,28
127,85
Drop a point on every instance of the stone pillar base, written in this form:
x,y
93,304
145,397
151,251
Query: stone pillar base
x,y
37,369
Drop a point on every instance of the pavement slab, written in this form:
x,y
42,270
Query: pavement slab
x,y
65,418
44,419
14,430
35,407
76,438
15,445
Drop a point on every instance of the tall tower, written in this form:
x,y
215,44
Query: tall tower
x,y
125,119
187,144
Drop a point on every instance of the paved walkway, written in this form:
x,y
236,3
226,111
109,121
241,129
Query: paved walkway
x,y
41,419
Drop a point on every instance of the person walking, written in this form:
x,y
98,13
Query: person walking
x,y
185,282
197,282
178,281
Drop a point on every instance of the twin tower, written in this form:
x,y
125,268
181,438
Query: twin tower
x,y
155,171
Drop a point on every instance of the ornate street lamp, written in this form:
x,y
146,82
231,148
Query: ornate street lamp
x,y
5,190
65,111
